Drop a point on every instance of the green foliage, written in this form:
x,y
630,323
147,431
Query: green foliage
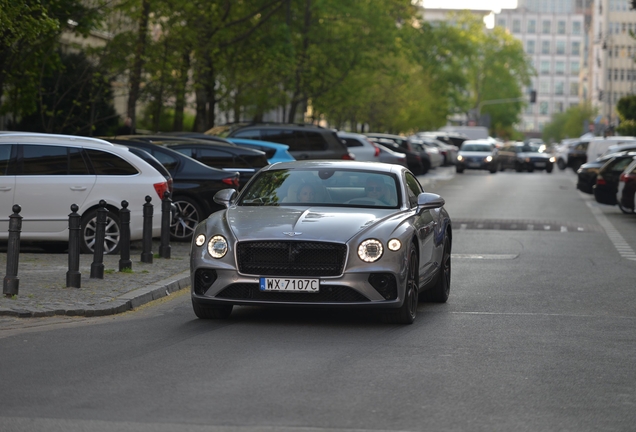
x,y
627,128
568,124
147,120
626,107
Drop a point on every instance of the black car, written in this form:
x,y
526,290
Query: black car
x,y
305,141
608,176
573,156
216,154
418,162
194,185
586,174
524,157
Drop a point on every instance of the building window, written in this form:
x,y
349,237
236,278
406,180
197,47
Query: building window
x,y
516,26
576,28
545,67
501,22
529,109
545,47
575,67
559,68
532,26
544,87
622,75
576,48
574,89
558,107
545,27
543,108
558,87
615,74
560,47
561,27
530,47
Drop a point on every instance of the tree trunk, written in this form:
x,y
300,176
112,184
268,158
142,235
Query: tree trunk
x,y
179,106
138,62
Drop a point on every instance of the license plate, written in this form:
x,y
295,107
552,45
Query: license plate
x,y
539,164
290,285
473,164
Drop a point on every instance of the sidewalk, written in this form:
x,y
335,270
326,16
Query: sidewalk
x,y
42,287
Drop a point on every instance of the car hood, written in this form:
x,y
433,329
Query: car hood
x,y
534,155
474,154
302,223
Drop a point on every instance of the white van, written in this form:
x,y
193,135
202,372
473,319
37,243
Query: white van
x,y
599,145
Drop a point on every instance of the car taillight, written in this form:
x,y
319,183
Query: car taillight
x,y
348,156
231,181
160,188
600,181
627,177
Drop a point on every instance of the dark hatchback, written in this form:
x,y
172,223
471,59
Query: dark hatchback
x,y
194,185
608,176
216,154
586,174
627,188
524,157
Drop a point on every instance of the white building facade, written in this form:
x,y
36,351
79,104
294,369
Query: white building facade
x,y
613,57
554,42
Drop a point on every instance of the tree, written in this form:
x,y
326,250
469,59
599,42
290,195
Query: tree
x,y
568,124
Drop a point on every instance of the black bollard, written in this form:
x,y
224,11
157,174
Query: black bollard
x,y
11,283
97,267
124,254
73,275
146,252
166,207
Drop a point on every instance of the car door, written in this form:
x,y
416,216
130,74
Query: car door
x,y
424,224
7,187
49,180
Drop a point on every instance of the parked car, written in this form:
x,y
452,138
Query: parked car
x,y
572,154
361,146
194,185
388,155
626,193
615,148
46,173
305,141
524,157
445,144
599,146
216,154
418,162
433,152
275,152
478,154
586,174
369,236
606,186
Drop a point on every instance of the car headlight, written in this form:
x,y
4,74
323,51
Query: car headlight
x,y
200,240
488,158
553,159
370,250
217,246
460,157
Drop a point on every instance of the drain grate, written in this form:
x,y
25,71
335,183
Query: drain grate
x,y
523,225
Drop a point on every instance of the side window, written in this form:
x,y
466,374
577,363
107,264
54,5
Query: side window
x,y
621,164
44,160
168,161
105,163
215,158
281,137
413,188
185,151
76,163
5,157
251,134
352,142
315,141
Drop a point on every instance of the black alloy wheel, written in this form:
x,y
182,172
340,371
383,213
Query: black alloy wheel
x,y
624,209
407,312
187,216
441,291
112,234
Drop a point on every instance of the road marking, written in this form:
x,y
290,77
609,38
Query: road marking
x,y
621,246
486,256
524,225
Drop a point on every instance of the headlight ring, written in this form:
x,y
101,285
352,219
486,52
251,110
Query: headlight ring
x,y
370,250
217,246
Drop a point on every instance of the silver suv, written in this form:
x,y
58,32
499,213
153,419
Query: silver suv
x,y
45,174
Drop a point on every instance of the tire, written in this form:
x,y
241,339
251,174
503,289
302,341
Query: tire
x,y
530,169
186,219
561,164
493,170
459,170
426,166
407,312
501,167
624,209
211,312
112,237
549,169
440,292
518,168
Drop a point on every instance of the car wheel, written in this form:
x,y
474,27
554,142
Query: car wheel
x,y
459,170
492,170
407,312
187,216
518,168
549,169
426,166
211,312
112,235
441,290
561,164
530,169
623,208
501,167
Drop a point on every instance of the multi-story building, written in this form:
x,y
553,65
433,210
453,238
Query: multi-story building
x,y
554,41
613,56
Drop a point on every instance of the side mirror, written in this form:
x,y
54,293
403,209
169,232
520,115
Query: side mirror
x,y
428,201
224,197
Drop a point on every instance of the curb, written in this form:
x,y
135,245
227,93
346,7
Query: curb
x,y
123,303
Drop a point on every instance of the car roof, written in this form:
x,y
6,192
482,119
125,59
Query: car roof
x,y
35,137
338,164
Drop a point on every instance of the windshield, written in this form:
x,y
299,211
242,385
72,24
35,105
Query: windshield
x,y
325,187
477,147
531,148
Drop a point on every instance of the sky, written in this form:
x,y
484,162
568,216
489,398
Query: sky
x,y
495,5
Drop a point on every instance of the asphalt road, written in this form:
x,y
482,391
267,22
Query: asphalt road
x,y
539,335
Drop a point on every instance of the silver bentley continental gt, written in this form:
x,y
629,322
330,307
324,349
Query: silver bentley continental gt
x,y
324,233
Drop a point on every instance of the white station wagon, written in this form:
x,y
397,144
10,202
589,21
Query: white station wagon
x,y
45,174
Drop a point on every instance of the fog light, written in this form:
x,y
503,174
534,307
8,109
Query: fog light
x,y
394,245
200,240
